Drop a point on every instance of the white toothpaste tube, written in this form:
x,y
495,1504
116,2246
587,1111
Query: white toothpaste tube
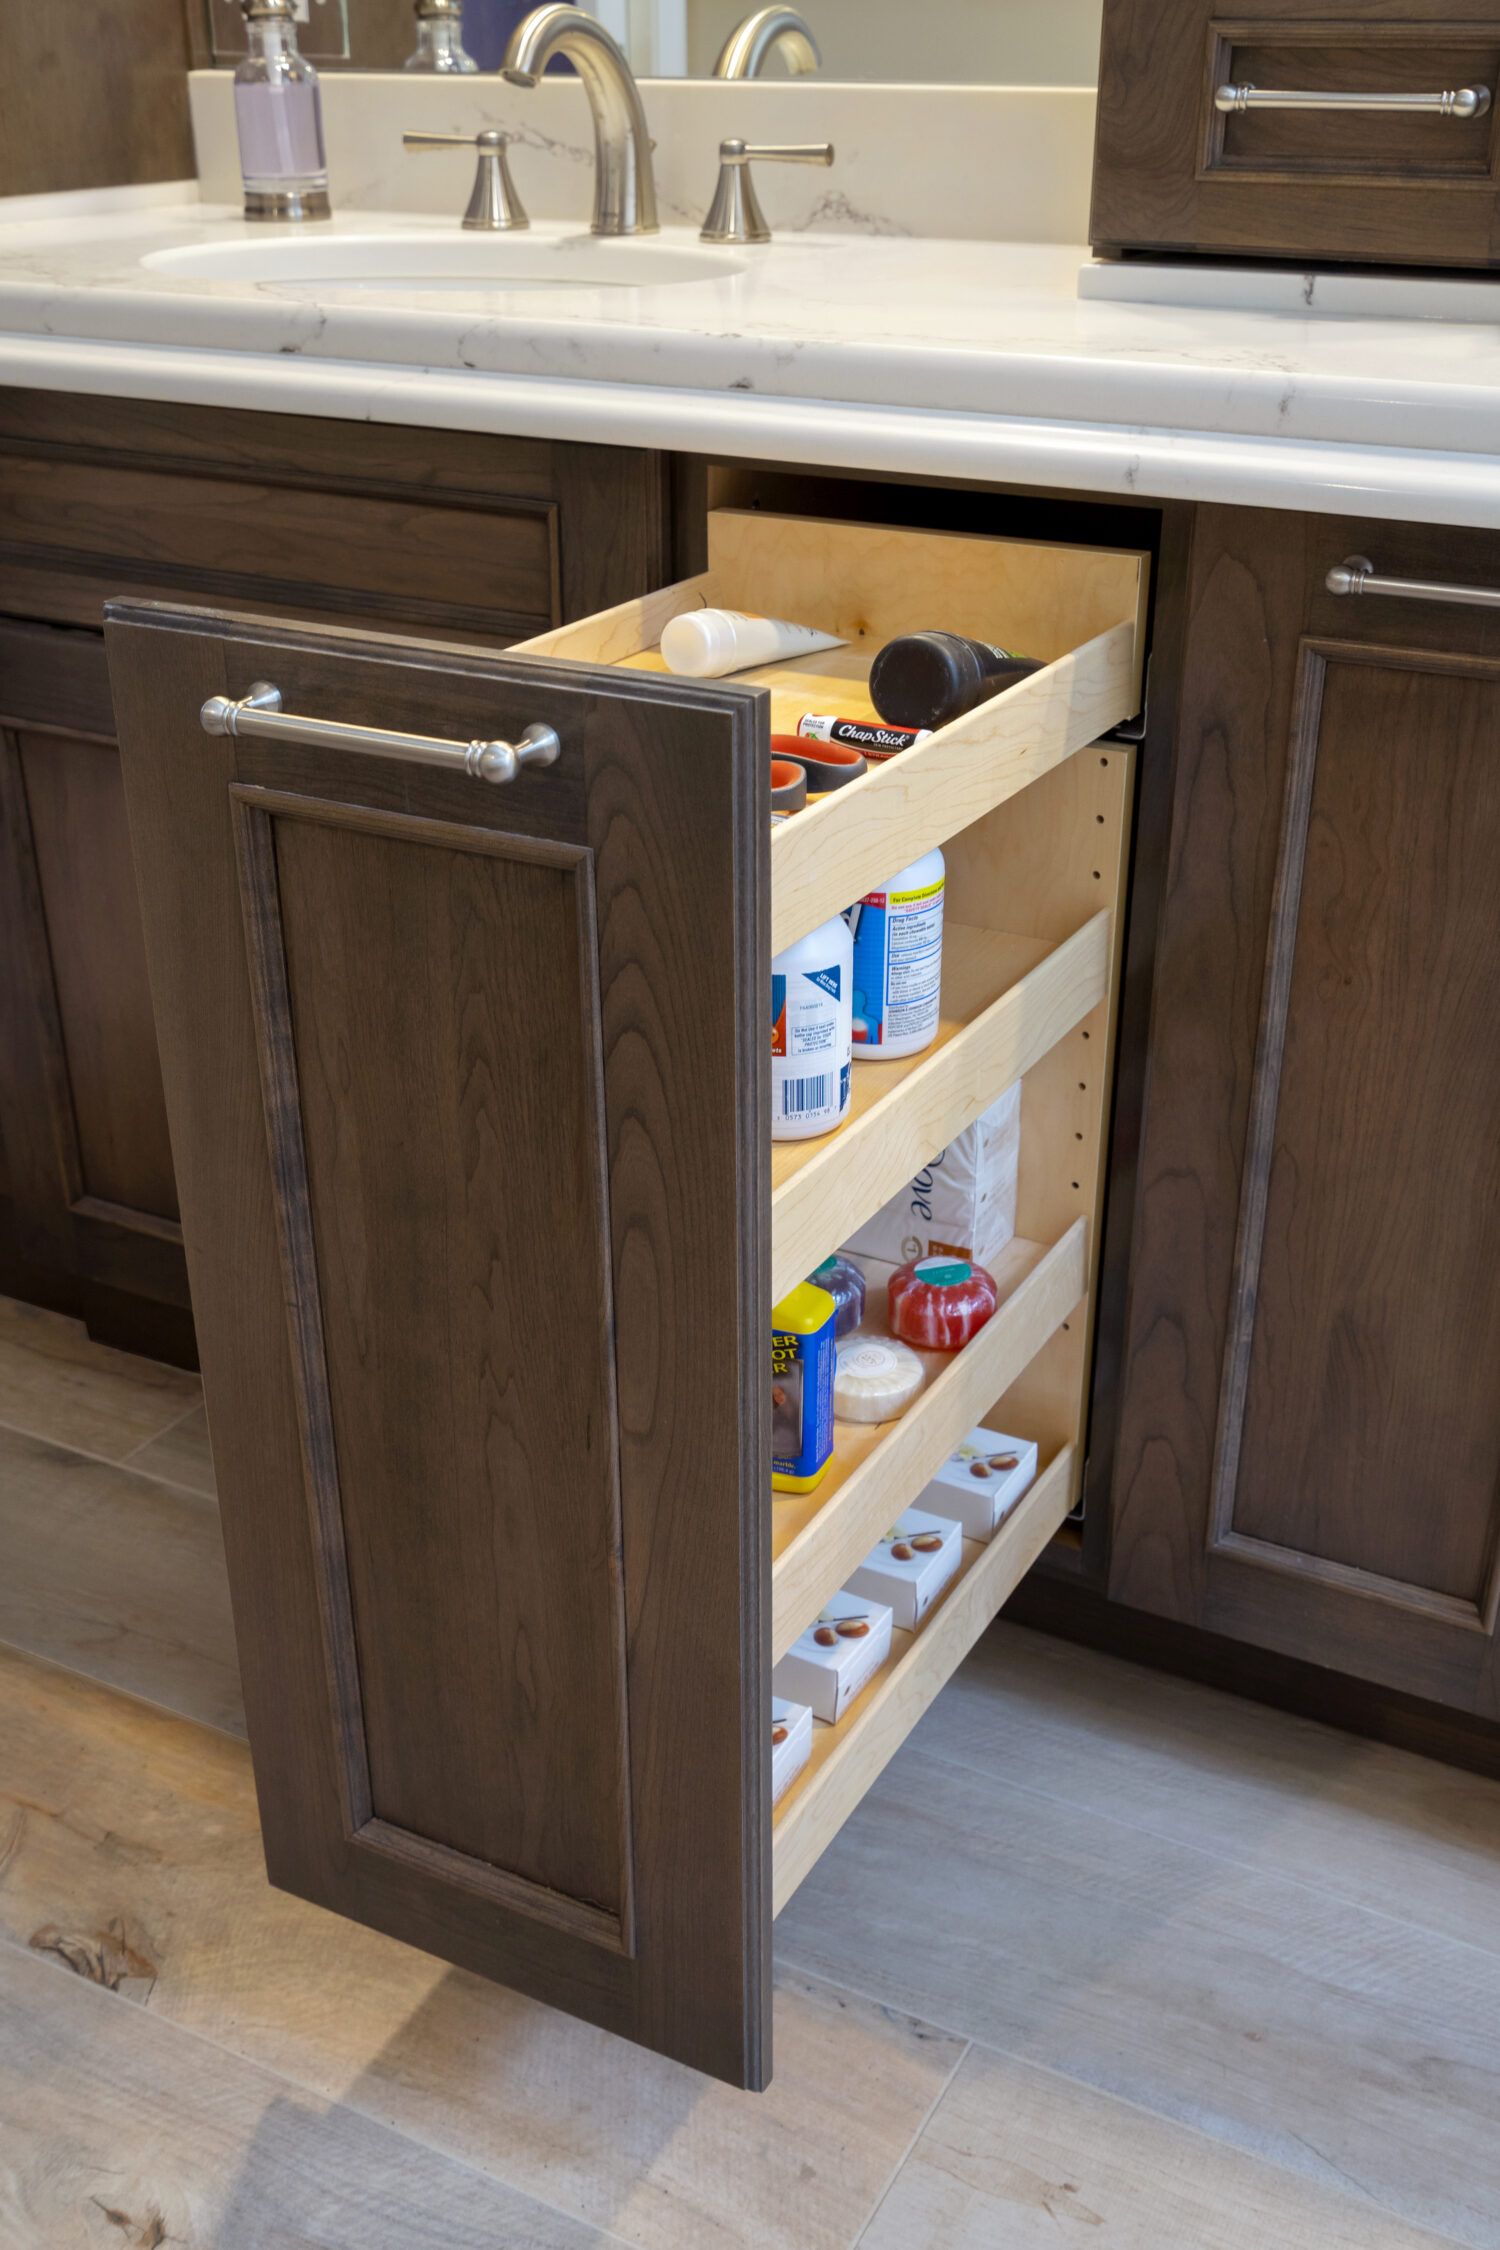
x,y
704,644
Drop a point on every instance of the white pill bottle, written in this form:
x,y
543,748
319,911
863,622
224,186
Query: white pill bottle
x,y
898,962
811,1033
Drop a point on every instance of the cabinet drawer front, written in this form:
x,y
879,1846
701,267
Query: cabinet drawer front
x,y
466,1103
1323,136
1294,132
425,560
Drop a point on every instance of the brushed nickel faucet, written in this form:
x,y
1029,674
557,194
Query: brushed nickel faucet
x,y
735,214
494,206
746,50
624,179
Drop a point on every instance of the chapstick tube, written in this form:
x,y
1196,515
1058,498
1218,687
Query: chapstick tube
x,y
704,644
868,735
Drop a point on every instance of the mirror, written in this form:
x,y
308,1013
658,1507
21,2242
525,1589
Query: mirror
x,y
949,42
323,33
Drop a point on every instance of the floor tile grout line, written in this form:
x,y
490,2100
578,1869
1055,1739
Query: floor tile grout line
x,y
175,1424
334,2101
111,1460
973,2045
76,1673
875,2000
1214,1859
905,2157
1351,2193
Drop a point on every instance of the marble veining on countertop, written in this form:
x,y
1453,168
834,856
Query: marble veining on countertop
x,y
957,357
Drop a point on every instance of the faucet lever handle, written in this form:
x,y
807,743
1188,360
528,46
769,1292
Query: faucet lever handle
x,y
735,214
774,152
494,206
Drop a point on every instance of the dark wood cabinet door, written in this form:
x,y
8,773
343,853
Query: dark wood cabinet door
x,y
83,1121
469,1106
1175,172
1309,1449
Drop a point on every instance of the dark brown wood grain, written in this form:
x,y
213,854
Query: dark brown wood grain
x,y
1171,174
1358,1504
419,939
459,536
446,1046
1372,1418
87,1154
87,885
94,95
396,555
426,531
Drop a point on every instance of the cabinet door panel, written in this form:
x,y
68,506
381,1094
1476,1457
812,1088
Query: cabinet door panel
x,y
88,1159
475,1449
76,803
1371,1430
471,1124
1308,1448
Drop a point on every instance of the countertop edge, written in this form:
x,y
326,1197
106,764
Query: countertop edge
x,y
1145,463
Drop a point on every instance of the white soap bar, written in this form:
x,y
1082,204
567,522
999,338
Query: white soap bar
x,y
791,1743
875,1378
840,1652
963,1203
981,1481
911,1566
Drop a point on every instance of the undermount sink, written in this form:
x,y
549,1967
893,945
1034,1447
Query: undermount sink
x,y
446,259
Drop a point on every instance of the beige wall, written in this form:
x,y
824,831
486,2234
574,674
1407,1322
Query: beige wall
x,y
965,42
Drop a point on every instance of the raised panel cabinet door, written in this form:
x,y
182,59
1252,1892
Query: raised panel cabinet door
x,y
1310,1453
470,1113
1198,149
82,1116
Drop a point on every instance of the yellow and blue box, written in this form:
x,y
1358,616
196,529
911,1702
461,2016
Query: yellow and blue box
x,y
802,1360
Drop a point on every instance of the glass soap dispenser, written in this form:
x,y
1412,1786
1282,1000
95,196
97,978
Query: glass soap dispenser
x,y
440,38
278,112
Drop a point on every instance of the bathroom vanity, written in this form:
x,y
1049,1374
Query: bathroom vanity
x,y
454,1096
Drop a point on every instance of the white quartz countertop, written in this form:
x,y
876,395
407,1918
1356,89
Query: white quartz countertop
x,y
966,359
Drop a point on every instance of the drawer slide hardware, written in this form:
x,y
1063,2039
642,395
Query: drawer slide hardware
x,y
1356,574
1461,102
259,717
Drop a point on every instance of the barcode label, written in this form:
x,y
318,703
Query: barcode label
x,y
799,1095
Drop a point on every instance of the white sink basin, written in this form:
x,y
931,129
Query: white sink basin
x,y
445,259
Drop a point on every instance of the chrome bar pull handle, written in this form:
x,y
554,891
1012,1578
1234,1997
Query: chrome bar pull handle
x,y
259,717
1461,102
1356,574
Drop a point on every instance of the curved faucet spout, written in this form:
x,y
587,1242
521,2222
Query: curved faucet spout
x,y
624,178
746,50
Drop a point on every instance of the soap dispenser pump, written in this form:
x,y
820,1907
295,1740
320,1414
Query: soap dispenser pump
x,y
440,45
278,113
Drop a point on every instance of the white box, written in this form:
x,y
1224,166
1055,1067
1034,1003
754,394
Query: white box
x,y
975,1485
963,1201
908,1577
793,1723
829,1674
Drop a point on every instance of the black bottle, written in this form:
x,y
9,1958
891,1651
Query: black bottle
x,y
926,679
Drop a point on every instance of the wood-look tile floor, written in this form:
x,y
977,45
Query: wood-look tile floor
x,y
1104,1959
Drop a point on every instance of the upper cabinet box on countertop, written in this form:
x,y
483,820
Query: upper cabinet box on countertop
x,y
470,1101
1388,154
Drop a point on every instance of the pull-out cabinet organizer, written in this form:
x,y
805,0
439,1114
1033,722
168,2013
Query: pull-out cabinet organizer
x,y
470,1110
